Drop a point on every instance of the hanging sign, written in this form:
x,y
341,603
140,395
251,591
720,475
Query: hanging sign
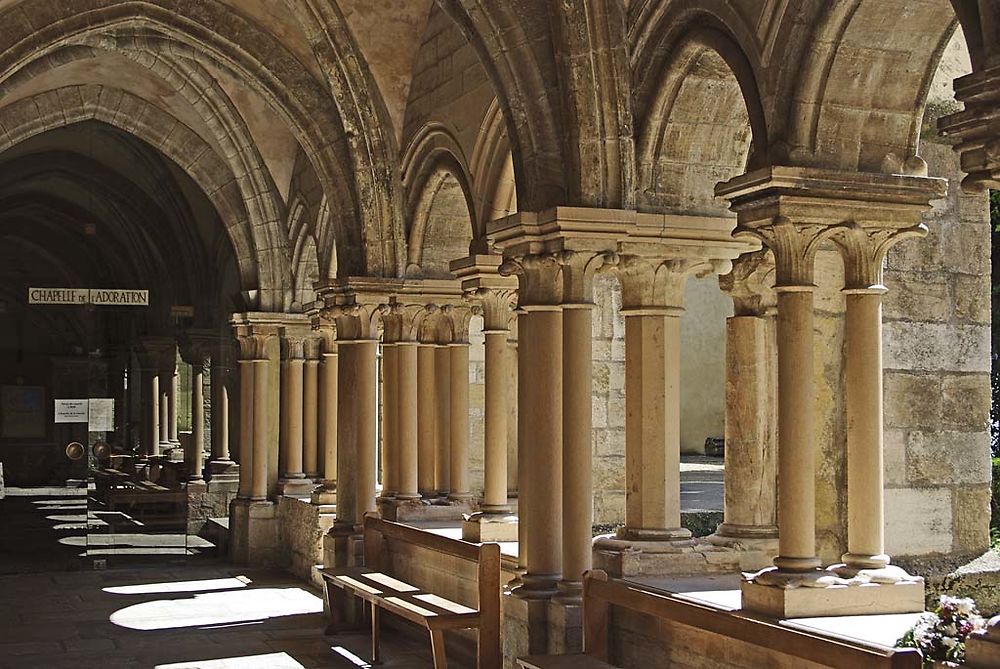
x,y
108,297
72,411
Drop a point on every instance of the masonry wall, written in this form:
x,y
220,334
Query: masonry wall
x,y
937,386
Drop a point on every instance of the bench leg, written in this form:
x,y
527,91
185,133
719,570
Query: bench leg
x,y
337,601
376,655
437,648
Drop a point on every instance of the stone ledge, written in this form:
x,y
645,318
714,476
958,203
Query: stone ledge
x,y
965,576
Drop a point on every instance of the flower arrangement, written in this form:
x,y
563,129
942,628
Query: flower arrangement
x,y
940,636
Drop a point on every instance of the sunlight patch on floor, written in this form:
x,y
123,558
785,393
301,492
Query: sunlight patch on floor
x,y
218,608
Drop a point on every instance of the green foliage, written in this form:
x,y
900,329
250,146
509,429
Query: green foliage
x,y
995,210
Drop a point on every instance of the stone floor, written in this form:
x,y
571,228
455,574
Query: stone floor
x,y
204,616
156,610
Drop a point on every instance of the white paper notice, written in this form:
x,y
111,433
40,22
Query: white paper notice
x,y
71,411
101,415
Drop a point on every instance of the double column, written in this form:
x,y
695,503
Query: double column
x,y
864,214
221,465
255,427
327,414
195,352
293,424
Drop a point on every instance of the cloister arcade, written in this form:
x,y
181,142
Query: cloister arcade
x,y
480,264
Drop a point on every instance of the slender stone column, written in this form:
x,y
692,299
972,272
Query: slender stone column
x,y
196,462
329,430
172,392
427,420
221,460
407,434
310,410
577,419
458,394
246,423
152,434
357,429
442,395
577,460
166,380
495,428
796,430
390,421
293,480
863,359
751,411
261,426
540,424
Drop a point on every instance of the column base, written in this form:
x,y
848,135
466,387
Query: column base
x,y
324,495
224,470
822,593
623,558
756,548
540,627
343,546
482,526
295,487
254,533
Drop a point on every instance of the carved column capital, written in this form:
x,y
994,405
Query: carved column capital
x,y
496,305
658,283
539,278
750,284
794,247
578,270
864,251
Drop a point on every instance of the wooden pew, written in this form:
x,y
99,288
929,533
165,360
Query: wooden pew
x,y
600,594
379,590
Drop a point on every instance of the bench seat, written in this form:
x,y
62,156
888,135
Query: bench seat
x,y
405,600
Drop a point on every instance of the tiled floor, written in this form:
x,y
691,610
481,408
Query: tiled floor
x,y
204,617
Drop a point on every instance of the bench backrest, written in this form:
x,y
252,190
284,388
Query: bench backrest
x,y
600,594
486,556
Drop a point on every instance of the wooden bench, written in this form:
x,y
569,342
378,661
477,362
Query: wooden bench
x,y
379,590
600,594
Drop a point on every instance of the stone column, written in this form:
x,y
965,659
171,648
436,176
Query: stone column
x,y
194,352
221,465
246,417
172,392
494,522
751,413
310,409
458,410
152,402
652,303
166,380
442,398
261,427
427,420
390,421
863,251
577,457
326,493
407,422
293,479
540,425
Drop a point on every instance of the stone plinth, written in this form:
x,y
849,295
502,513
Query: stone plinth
x,y
223,470
623,558
753,553
302,528
833,600
480,527
254,533
301,487
407,511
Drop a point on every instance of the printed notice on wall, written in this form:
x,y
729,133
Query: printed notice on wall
x,y
101,415
72,411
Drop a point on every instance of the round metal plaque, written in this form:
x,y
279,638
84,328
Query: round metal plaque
x,y
75,450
